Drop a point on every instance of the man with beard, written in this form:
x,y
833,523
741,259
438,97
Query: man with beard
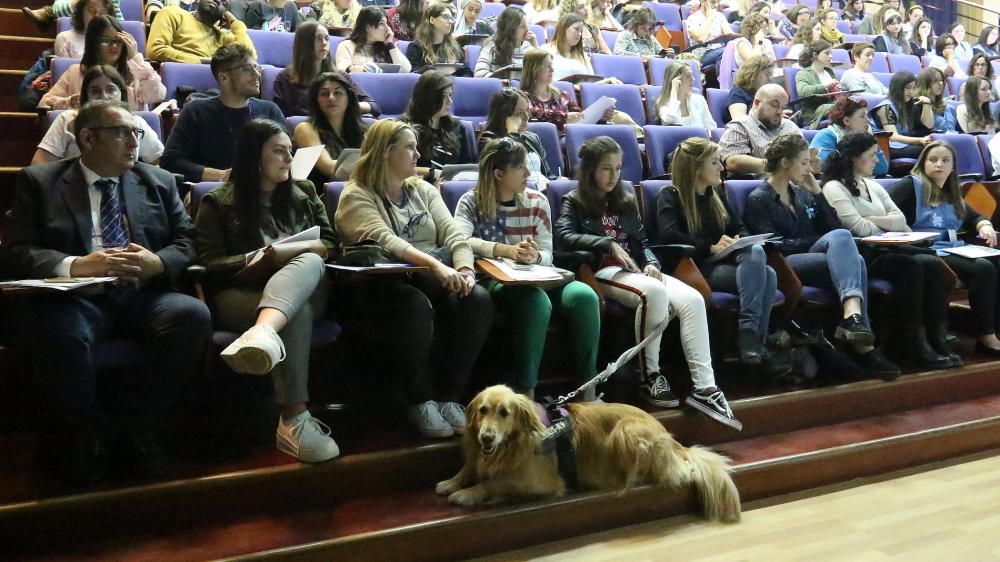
x,y
745,139
203,141
104,214
180,36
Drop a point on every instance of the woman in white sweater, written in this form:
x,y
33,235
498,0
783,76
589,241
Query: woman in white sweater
x,y
921,282
678,104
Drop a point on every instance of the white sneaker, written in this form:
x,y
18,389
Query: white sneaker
x,y
454,414
256,352
306,438
427,419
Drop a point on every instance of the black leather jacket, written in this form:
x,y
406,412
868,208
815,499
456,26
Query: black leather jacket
x,y
576,231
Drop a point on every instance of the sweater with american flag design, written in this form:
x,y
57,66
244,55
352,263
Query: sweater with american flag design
x,y
527,215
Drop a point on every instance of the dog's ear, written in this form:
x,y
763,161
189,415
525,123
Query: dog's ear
x,y
526,414
472,414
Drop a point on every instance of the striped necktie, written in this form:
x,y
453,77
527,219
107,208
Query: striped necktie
x,y
113,232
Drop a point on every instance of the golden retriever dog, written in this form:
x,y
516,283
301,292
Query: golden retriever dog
x,y
617,447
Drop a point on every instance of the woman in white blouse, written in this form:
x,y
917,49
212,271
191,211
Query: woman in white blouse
x,y
540,12
568,55
69,43
678,104
371,43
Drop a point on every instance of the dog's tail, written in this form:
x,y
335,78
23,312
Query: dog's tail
x,y
710,472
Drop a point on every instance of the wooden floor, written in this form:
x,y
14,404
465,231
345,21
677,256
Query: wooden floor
x,y
950,513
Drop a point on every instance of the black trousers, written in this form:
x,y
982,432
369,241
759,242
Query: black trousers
x,y
426,339
908,151
980,277
921,285
60,332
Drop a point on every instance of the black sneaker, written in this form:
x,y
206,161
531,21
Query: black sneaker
x,y
712,403
656,391
853,329
876,365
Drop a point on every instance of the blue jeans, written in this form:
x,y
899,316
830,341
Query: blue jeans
x,y
833,262
753,280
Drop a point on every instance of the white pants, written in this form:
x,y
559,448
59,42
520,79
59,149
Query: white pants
x,y
655,301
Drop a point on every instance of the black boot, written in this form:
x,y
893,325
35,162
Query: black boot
x,y
916,350
936,337
748,342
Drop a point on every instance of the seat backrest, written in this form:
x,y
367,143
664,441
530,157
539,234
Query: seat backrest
x,y
661,142
844,26
197,76
390,91
470,134
650,190
153,120
841,55
472,54
627,98
883,77
566,87
332,198
880,63
136,29
717,99
956,85
872,99
970,159
293,121
540,35
793,91
472,97
60,65
610,38
452,191
727,66
652,94
716,134
131,10
267,77
63,24
555,192
668,13
628,69
808,134
577,134
492,10
904,62
886,182
273,47
549,135
984,150
197,192
737,192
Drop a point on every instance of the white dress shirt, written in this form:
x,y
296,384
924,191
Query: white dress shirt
x,y
96,240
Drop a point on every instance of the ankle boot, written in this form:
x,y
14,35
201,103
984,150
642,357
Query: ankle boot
x,y
937,338
43,17
919,351
748,342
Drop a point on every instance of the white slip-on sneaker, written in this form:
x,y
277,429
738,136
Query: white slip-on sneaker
x,y
454,414
306,438
427,419
256,352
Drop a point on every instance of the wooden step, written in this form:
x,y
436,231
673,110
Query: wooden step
x,y
19,53
10,80
14,23
21,135
387,496
394,514
17,4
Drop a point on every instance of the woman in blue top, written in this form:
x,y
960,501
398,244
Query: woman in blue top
x,y
848,115
931,201
989,42
930,84
909,118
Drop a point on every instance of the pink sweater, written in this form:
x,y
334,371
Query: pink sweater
x,y
146,87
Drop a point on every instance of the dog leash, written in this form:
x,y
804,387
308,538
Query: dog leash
x,y
612,367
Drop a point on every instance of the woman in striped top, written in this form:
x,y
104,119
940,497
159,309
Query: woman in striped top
x,y
505,219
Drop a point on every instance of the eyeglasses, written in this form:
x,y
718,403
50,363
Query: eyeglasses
x,y
109,41
122,132
247,68
446,18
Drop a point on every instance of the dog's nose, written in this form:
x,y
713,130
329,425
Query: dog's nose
x,y
487,438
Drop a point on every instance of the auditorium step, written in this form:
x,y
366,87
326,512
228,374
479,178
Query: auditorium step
x,y
13,22
20,134
19,53
17,4
9,82
381,505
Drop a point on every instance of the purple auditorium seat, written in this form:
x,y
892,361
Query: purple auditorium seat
x,y
470,133
293,121
540,35
131,11
844,26
905,62
549,135
780,51
610,37
652,94
198,191
577,134
268,75
956,85
492,10
737,192
793,92
716,134
332,197
472,55
273,47
880,63
153,120
726,67
883,77
391,91
452,191
555,192
628,69
841,55
854,38
197,76
717,99
661,142
60,65
809,134
402,45
627,98
970,161
984,150
472,97
566,87
668,13
650,189
872,99
657,66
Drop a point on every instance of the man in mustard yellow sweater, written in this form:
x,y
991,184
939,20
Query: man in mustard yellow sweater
x,y
180,36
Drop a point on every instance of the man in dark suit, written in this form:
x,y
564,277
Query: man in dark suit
x,y
104,214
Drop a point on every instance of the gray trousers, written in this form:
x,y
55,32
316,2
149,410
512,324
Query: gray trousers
x,y
299,290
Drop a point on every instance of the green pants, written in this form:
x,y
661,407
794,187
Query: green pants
x,y
527,311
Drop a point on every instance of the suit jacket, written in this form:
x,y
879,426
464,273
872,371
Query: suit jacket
x,y
51,219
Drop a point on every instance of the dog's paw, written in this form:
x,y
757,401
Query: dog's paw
x,y
468,496
447,487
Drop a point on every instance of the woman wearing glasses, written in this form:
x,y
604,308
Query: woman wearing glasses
x,y
259,205
107,44
508,118
99,83
504,219
945,57
980,66
407,317
433,43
